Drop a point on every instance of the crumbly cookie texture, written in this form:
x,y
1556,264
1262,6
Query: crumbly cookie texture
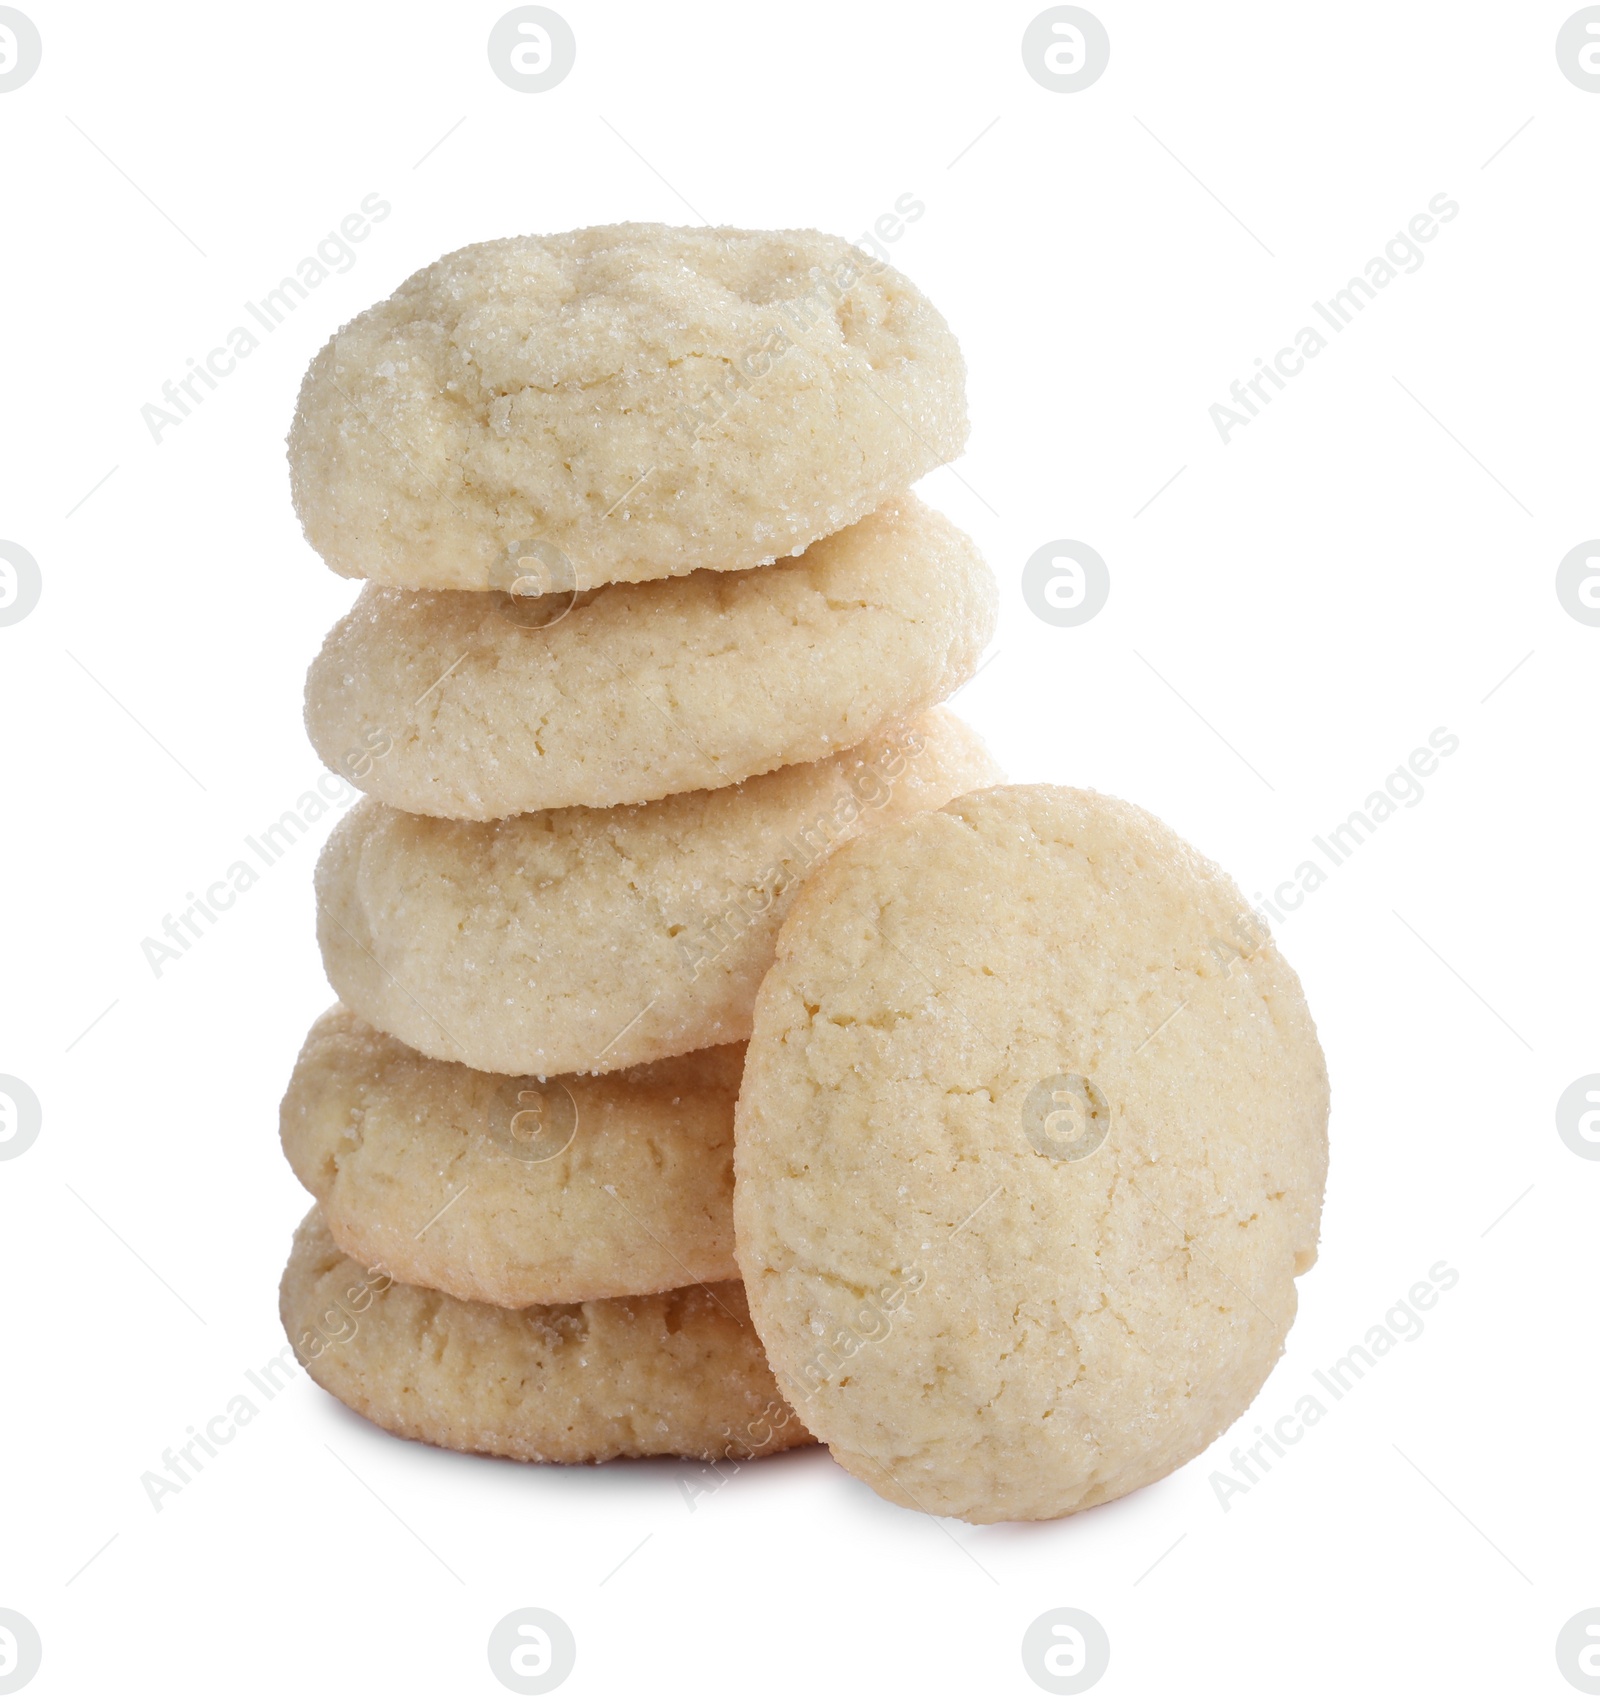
x,y
444,703
995,1292
592,940
678,1373
641,400
512,1190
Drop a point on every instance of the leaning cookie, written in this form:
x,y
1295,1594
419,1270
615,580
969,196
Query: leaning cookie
x,y
593,940
679,1373
447,704
1029,1152
512,1190
629,402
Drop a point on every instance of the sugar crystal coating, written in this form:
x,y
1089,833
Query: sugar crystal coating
x,y
643,400
444,703
583,939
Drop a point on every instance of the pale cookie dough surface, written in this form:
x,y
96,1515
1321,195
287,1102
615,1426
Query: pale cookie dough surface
x,y
984,1313
583,939
678,1373
645,399
510,1190
440,702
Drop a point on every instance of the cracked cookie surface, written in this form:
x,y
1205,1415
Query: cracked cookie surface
x,y
1029,1151
645,400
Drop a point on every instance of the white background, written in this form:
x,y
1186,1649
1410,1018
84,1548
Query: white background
x,y
1291,616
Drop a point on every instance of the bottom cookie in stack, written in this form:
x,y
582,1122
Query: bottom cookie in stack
x,y
504,1205
679,1373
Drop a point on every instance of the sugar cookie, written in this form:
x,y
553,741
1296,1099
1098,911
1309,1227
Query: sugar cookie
x,y
444,703
678,1373
628,402
510,1190
584,939
1029,1151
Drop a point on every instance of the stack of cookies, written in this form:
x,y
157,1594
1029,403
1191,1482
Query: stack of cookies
x,y
723,1058
652,626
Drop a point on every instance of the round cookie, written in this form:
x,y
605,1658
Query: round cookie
x,y
584,939
1029,1151
441,703
678,1373
629,402
510,1190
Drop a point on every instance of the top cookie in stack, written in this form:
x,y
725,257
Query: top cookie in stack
x,y
647,401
